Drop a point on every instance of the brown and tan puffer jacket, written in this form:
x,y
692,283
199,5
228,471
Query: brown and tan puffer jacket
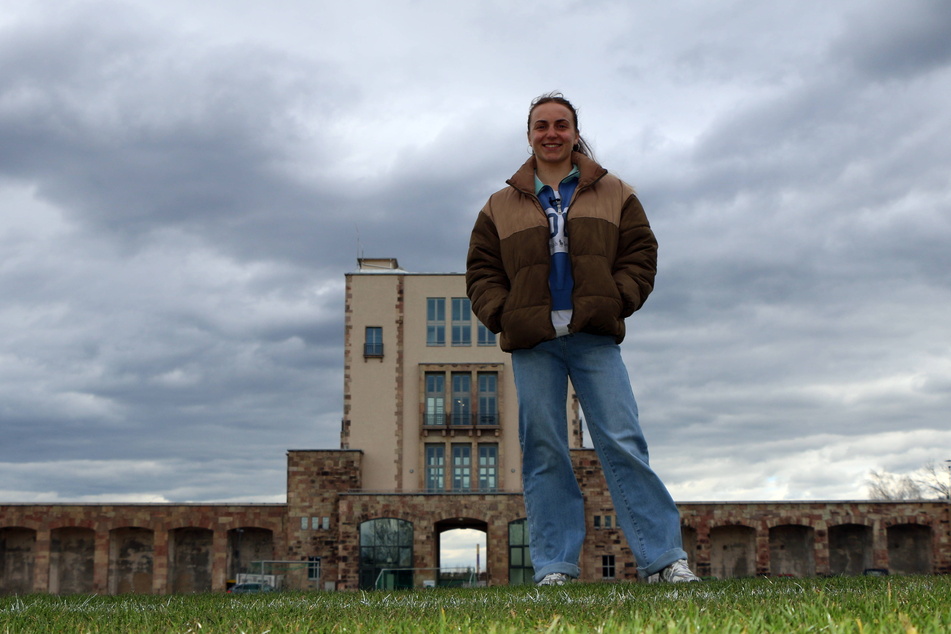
x,y
612,249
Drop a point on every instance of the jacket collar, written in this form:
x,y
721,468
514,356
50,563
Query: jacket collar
x,y
590,172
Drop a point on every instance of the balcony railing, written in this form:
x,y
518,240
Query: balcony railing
x,y
454,420
372,350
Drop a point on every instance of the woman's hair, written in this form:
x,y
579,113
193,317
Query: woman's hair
x,y
556,97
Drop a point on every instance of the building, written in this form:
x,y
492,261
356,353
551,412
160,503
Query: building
x,y
429,444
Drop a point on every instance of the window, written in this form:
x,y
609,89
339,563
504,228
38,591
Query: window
x,y
373,345
313,568
488,398
486,336
435,468
465,473
607,566
466,398
386,554
488,467
461,398
461,321
520,561
436,321
461,467
435,413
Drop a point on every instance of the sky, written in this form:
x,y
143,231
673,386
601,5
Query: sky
x,y
184,185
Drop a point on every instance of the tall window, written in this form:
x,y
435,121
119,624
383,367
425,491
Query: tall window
x,y
436,321
461,321
488,398
461,398
373,347
520,561
461,467
435,468
607,567
435,399
486,336
313,568
488,467
386,554
461,395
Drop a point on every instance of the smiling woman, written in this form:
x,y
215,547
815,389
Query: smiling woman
x,y
557,260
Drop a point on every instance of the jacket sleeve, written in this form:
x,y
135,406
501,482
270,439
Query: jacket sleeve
x,y
487,284
635,264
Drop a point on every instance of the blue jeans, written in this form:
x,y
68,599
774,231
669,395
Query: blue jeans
x,y
553,500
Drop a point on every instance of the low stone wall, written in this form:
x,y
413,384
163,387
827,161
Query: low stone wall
x,y
164,548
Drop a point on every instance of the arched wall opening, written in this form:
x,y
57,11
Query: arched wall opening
x,y
462,552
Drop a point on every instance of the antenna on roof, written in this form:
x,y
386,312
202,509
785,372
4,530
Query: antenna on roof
x,y
359,245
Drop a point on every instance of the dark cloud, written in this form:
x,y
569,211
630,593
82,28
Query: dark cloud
x,y
183,187
891,42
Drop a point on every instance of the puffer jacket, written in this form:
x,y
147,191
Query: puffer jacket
x,y
612,249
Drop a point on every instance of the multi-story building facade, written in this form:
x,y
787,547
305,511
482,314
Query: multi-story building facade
x,y
429,444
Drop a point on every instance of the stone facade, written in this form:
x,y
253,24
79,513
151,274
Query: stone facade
x,y
118,549
144,548
408,467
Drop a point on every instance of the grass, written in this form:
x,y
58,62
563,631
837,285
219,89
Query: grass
x,y
841,604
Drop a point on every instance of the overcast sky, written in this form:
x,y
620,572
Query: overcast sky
x,y
183,186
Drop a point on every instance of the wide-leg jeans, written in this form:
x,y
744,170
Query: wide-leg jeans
x,y
553,501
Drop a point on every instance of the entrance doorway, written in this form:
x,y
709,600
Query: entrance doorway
x,y
462,552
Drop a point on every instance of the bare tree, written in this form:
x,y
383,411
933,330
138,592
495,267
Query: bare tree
x,y
888,486
928,482
935,480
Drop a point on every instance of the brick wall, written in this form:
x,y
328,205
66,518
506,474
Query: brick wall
x,y
106,548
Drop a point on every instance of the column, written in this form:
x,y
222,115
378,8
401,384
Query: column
x,y
41,561
100,563
160,553
219,560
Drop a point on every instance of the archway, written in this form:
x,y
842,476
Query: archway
x,y
462,552
850,549
386,554
909,549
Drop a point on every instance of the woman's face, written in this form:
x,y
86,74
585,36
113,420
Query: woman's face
x,y
552,133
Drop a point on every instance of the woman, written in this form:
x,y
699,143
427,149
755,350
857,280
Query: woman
x,y
559,307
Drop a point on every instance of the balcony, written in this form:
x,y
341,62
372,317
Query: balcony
x,y
455,425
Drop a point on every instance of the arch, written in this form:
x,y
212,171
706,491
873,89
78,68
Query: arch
x,y
131,560
246,545
72,552
386,552
733,551
450,575
909,549
792,550
688,537
521,571
17,556
189,559
850,549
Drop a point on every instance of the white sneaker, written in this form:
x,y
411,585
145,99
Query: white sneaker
x,y
677,572
554,579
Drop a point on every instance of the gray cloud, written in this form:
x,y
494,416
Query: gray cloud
x,y
183,188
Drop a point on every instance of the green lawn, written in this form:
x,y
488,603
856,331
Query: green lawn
x,y
842,604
